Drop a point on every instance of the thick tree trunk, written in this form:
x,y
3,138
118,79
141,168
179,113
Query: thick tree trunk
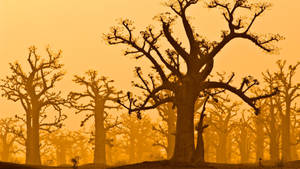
x,y
259,125
28,141
244,147
184,144
171,131
286,124
199,152
35,159
273,135
99,153
5,149
32,139
274,148
221,156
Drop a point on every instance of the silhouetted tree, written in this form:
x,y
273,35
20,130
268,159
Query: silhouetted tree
x,y
243,138
81,146
110,123
288,93
138,135
9,133
259,136
35,91
184,70
199,151
210,140
167,113
222,114
101,97
258,123
62,142
270,120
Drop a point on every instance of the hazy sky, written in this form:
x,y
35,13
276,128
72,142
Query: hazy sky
x,y
76,27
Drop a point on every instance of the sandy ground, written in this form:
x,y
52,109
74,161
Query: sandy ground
x,y
162,165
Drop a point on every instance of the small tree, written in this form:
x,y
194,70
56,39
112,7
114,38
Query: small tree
x,y
10,132
184,70
138,137
222,113
167,129
101,96
35,91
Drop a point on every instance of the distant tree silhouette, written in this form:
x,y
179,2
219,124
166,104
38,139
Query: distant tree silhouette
x,y
184,70
243,137
81,147
222,113
139,139
101,96
62,142
259,123
210,140
167,129
110,123
68,144
34,89
10,132
289,91
267,123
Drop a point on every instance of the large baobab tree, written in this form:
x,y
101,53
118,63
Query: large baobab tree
x,y
183,69
35,90
100,96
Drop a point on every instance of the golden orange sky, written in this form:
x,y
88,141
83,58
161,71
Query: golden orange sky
x,y
76,27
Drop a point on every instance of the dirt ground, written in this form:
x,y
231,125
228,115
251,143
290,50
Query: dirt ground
x,y
162,165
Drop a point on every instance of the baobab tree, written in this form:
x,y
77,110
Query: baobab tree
x,y
163,137
35,90
138,135
167,129
258,123
243,138
289,91
268,122
167,113
222,114
62,142
184,71
100,96
10,132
